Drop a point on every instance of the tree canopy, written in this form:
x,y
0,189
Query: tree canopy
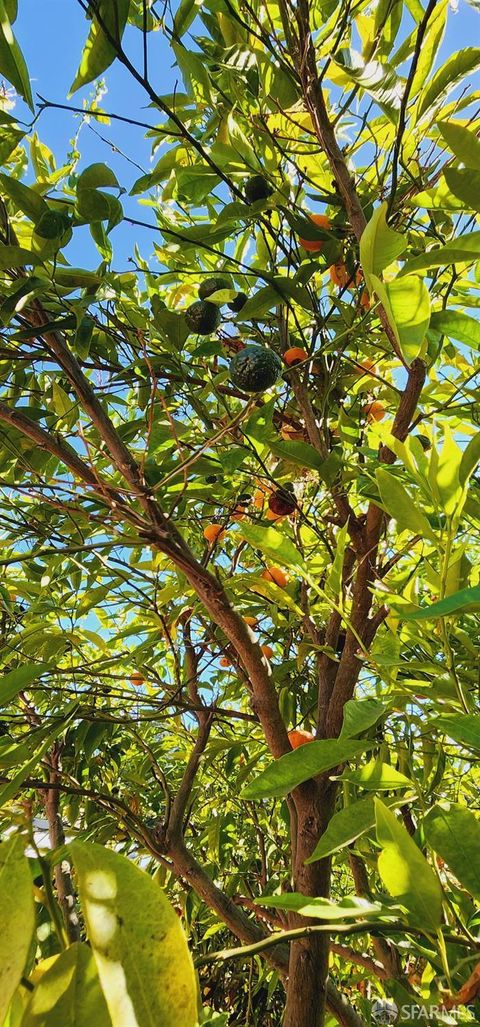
x,y
239,522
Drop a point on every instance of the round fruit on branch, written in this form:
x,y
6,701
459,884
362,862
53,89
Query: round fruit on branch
x,y
257,188
255,369
202,317
211,285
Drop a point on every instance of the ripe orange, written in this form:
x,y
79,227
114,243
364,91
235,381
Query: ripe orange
x,y
295,355
225,662
374,411
258,499
267,651
315,245
238,513
213,533
339,275
272,516
277,575
137,679
363,367
299,737
251,622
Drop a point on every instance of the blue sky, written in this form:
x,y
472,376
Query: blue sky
x,y
51,34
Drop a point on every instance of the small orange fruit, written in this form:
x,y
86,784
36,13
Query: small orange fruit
x,y
277,575
295,355
213,533
299,737
339,275
251,622
270,515
267,651
374,411
363,367
258,499
315,245
225,662
137,679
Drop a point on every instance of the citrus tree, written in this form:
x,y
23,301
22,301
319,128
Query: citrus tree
x,y
239,523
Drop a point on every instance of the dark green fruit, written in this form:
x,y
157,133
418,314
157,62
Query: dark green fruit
x,y
238,303
424,441
257,188
255,369
202,317
211,285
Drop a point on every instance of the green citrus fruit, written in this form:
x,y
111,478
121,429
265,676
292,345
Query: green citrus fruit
x,y
255,368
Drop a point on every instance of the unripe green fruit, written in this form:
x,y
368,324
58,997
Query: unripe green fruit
x,y
255,369
202,317
257,188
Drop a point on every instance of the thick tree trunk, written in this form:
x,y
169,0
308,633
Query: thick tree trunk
x,y
308,965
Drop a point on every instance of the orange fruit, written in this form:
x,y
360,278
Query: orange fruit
x,y
294,355
299,737
251,622
258,499
339,275
272,516
137,679
267,651
277,575
213,533
238,513
363,367
225,662
374,411
315,245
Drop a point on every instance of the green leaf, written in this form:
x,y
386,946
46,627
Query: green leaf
x,y
11,788
300,765
400,504
21,677
350,907
464,183
344,828
186,13
99,53
143,962
16,256
272,543
299,453
377,776
379,245
69,992
409,304
97,176
361,714
464,728
461,250
454,833
405,872
26,199
17,918
464,600
12,62
462,142
457,325
430,45
458,65
376,78
470,459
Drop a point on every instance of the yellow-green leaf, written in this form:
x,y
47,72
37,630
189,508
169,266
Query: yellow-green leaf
x,y
69,992
16,916
405,872
99,53
141,952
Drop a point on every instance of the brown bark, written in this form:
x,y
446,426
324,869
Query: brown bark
x,y
63,881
